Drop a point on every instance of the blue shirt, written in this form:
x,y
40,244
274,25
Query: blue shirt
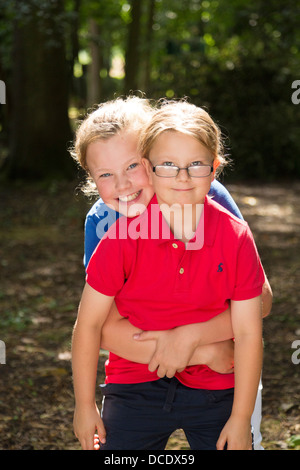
x,y
100,217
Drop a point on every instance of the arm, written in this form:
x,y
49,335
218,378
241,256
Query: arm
x,y
199,343
91,239
221,195
172,350
98,220
267,298
93,310
247,328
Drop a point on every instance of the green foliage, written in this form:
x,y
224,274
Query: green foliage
x,y
18,320
294,442
237,58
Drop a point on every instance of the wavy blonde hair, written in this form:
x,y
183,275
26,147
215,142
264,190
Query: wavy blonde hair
x,y
184,117
108,119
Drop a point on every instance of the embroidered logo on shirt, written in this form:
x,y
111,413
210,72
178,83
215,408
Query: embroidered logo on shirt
x,y
220,269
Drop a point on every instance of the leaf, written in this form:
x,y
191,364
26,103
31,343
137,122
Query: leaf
x,y
294,441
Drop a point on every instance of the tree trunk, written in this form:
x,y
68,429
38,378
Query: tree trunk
x,y
40,131
132,52
146,67
94,81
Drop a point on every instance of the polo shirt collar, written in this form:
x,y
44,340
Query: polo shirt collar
x,y
211,221
211,218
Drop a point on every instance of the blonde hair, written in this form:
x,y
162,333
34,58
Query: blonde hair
x,y
107,120
184,117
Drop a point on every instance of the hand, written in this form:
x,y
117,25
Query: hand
x,y
174,349
236,434
86,421
220,356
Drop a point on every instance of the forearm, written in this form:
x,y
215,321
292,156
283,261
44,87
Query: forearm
x,y
267,299
92,313
118,332
123,344
118,338
248,356
85,354
218,328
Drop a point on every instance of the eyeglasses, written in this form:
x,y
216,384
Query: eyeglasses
x,y
194,171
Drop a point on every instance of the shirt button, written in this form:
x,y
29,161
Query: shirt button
x,y
174,245
181,270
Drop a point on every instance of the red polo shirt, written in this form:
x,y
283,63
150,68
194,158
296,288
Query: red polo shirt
x,y
159,284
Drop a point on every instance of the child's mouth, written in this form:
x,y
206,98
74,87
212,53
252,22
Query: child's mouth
x,y
130,197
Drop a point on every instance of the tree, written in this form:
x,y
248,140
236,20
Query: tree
x,y
40,129
94,82
238,59
132,51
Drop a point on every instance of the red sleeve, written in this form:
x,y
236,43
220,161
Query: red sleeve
x,y
249,272
105,271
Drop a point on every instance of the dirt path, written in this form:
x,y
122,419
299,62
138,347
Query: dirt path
x,y
41,277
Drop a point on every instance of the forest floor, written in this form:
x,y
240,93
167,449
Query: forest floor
x,y
41,277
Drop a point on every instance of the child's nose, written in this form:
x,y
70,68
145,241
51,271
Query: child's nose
x,y
183,174
122,182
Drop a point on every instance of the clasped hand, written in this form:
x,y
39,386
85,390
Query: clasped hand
x,y
172,354
176,349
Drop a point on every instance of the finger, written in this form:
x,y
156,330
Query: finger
x,y
101,432
170,373
221,443
161,372
144,336
153,365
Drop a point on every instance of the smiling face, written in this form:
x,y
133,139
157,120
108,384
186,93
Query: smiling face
x,y
173,148
121,179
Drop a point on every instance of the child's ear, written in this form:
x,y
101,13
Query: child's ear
x,y
147,166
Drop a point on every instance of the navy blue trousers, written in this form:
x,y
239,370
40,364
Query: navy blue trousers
x,y
143,416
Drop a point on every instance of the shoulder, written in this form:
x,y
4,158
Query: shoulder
x,y
99,218
220,194
226,223
217,188
99,210
226,214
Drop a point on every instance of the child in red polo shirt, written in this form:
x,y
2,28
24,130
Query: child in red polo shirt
x,y
180,267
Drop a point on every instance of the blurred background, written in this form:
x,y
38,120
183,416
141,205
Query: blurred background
x,y
58,58
237,58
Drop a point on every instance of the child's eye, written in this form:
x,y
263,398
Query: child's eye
x,y
105,175
167,164
196,164
132,166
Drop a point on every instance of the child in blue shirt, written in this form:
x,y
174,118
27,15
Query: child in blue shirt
x,y
111,119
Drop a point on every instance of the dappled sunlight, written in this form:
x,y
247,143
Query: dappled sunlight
x,y
270,208
42,279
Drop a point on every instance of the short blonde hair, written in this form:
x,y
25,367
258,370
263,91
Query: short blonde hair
x,y
108,119
184,117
